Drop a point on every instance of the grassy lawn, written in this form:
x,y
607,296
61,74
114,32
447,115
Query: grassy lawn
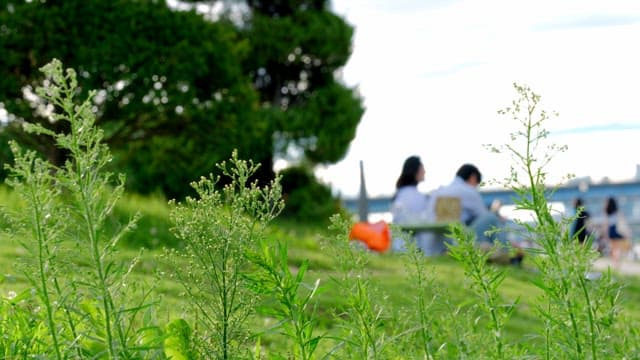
x,y
388,272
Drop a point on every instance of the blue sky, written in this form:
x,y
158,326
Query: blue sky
x,y
434,73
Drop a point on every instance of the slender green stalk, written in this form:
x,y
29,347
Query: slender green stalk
x,y
107,303
220,228
277,280
93,198
30,178
545,219
68,316
361,317
424,324
43,259
573,305
485,281
592,328
226,313
84,146
416,267
547,338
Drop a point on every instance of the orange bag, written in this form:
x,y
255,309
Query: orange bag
x,y
376,235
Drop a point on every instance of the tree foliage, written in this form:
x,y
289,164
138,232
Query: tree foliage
x,y
304,197
296,48
178,92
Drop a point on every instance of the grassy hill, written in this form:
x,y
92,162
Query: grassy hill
x,y
89,272
391,282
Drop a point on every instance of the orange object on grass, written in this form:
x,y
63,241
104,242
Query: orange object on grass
x,y
376,235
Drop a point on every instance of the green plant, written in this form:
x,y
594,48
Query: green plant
x,y
437,324
178,342
91,310
485,281
84,301
220,228
306,199
292,307
23,329
424,306
361,318
578,313
41,225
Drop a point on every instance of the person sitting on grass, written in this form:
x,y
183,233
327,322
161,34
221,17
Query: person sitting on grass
x,y
616,231
474,213
409,205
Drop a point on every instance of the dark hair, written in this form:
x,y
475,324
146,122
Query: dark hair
x,y
409,171
467,170
612,206
577,203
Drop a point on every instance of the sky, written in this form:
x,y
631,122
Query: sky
x,y
434,73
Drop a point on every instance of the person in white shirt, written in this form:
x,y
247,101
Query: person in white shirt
x,y
475,214
409,205
464,187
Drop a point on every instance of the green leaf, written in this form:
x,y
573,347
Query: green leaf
x,y
177,341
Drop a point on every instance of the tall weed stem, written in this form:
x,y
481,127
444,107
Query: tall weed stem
x,y
486,280
362,317
417,270
562,261
76,200
30,178
293,296
88,156
220,230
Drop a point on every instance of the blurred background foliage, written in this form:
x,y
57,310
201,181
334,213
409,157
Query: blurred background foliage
x,y
306,199
180,84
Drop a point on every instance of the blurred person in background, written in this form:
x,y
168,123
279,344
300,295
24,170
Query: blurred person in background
x,y
409,205
616,231
580,228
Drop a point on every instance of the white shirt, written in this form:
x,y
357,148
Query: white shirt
x,y
470,200
409,206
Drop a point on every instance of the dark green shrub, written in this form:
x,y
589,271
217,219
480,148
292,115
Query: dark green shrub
x,y
305,197
6,157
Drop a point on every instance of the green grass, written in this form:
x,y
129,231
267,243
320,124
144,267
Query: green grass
x,y
285,290
305,241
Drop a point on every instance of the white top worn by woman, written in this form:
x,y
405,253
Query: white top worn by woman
x,y
409,207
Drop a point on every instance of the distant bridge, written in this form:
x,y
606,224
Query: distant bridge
x,y
627,194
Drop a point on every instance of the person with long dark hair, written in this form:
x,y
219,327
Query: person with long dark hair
x,y
412,173
616,231
409,205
